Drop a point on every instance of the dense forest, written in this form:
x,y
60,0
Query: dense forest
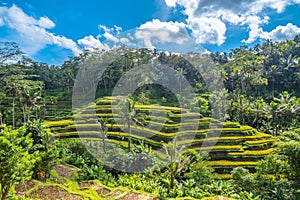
x,y
261,88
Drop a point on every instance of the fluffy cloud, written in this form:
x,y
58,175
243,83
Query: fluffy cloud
x,y
152,34
90,42
32,32
207,18
284,32
208,30
45,22
256,31
110,34
171,3
156,31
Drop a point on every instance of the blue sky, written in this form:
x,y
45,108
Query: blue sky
x,y
52,31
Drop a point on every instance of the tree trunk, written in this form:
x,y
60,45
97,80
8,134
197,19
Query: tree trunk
x,y
13,112
5,193
129,136
105,86
103,142
172,181
273,125
28,114
180,89
24,115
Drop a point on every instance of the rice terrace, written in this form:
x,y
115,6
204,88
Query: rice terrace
x,y
238,145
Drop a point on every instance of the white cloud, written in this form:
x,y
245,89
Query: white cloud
x,y
254,23
152,34
208,30
65,43
171,3
117,28
124,40
207,18
90,42
284,32
110,37
111,34
156,31
278,5
280,33
45,22
32,33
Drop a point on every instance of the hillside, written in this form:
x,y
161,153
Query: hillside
x,y
237,145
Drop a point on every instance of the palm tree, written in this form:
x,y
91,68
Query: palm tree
x,y
2,96
281,111
105,79
257,109
129,117
180,77
103,130
274,70
12,88
290,109
30,99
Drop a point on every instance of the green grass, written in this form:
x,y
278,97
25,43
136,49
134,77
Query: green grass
x,y
218,148
58,123
227,163
256,142
252,152
224,176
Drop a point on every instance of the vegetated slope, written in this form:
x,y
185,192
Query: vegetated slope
x,y
60,186
229,143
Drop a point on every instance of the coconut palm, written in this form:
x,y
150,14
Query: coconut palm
x,y
12,89
129,117
180,76
104,130
30,99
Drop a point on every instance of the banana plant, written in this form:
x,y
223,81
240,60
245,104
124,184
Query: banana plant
x,y
177,165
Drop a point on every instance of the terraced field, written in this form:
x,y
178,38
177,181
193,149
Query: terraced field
x,y
230,144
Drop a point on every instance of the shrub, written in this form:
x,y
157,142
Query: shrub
x,y
16,162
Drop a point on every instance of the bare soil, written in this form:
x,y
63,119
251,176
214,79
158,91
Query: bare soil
x,y
23,187
135,196
54,193
101,191
65,171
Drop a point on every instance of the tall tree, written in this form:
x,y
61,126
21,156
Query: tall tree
x,y
13,89
181,73
104,130
129,117
10,52
30,99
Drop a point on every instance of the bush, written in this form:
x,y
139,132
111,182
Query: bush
x,y
43,147
16,162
